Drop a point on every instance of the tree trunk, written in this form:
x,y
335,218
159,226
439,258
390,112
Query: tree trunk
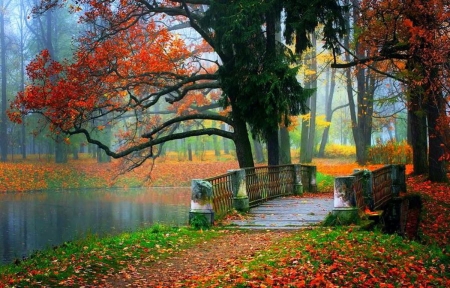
x,y
75,153
259,154
60,150
189,148
285,146
436,166
437,171
313,104
418,131
417,126
242,142
226,149
22,79
362,120
328,113
304,139
3,118
102,157
273,149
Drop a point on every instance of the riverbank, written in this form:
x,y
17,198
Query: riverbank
x,y
181,257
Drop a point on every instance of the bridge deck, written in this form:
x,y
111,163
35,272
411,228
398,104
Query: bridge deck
x,y
287,213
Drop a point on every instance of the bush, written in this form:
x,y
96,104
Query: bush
x,y
391,152
339,151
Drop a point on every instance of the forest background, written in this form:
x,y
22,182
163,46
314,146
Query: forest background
x,y
174,109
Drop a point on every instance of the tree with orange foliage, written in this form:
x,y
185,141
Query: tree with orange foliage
x,y
131,60
411,38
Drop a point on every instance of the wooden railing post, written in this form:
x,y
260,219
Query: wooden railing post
x,y
298,186
398,179
312,179
309,178
201,200
240,196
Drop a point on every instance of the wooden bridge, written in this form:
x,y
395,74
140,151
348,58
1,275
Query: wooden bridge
x,y
270,195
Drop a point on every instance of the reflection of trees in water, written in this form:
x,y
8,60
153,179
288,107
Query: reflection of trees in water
x,y
33,221
179,195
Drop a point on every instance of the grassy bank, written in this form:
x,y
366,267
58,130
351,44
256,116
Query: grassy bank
x,y
92,259
312,258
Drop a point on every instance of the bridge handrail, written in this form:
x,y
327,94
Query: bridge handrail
x,y
222,196
360,185
244,188
381,186
267,182
369,189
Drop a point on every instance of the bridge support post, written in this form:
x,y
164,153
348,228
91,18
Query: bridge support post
x,y
398,179
240,197
312,179
201,201
309,178
344,199
298,186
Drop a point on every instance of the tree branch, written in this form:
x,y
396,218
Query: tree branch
x,y
187,118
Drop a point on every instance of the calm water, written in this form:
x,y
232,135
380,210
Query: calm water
x,y
37,220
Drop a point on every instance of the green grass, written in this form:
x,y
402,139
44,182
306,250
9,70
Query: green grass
x,y
92,258
325,183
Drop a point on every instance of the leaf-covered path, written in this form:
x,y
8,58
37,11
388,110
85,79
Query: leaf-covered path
x,y
267,226
204,259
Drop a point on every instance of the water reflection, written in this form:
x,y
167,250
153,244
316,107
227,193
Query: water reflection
x,y
33,221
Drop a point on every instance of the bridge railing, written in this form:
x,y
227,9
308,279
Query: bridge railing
x,y
381,187
244,188
222,196
264,183
369,189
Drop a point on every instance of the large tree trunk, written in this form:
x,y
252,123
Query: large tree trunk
x,y
60,150
418,131
437,171
309,127
417,128
285,146
242,142
362,120
273,149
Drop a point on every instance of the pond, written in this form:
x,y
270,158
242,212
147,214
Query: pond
x,y
37,220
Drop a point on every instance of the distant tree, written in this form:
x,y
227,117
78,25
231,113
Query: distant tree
x,y
411,39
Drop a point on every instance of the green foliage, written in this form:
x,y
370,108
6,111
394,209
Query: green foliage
x,y
342,219
199,222
259,73
302,17
325,183
255,79
391,152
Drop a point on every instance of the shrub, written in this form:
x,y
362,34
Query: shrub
x,y
339,151
391,152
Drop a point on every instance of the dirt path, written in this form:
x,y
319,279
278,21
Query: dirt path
x,y
203,259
